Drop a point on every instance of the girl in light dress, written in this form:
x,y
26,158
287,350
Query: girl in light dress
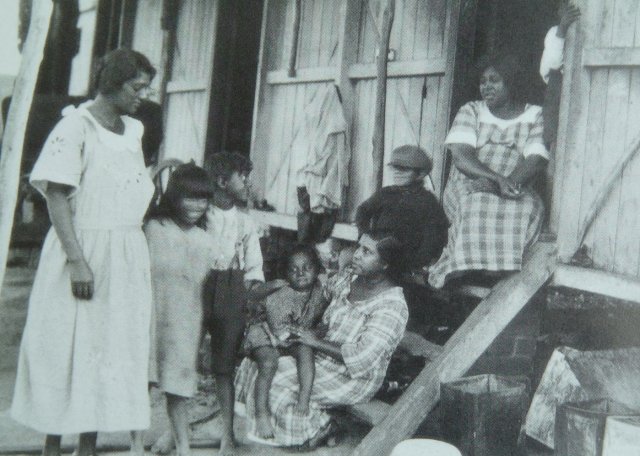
x,y
181,257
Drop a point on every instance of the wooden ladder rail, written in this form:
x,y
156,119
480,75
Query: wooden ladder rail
x,y
466,345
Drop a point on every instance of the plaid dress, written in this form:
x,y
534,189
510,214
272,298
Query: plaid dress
x,y
489,232
368,332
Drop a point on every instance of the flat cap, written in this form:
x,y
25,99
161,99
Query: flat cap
x,y
409,156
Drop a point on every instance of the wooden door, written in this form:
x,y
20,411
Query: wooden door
x,y
189,85
337,45
599,119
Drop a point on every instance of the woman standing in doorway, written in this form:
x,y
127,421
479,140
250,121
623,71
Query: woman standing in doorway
x,y
83,363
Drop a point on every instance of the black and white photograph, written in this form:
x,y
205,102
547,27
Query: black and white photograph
x,y
327,227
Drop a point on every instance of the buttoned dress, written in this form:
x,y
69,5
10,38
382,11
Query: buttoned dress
x,y
83,364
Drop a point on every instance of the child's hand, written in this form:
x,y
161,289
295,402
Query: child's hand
x,y
304,336
277,284
569,13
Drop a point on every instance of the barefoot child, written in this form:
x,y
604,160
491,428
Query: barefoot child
x,y
299,304
237,272
181,257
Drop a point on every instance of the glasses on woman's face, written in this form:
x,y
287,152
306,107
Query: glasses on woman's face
x,y
141,90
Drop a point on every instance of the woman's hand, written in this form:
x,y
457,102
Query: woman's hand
x,y
508,188
81,279
482,185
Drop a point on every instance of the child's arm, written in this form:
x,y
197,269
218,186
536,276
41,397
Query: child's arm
x,y
258,290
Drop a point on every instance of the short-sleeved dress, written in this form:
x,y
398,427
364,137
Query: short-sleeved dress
x,y
83,364
180,262
489,232
368,333
282,308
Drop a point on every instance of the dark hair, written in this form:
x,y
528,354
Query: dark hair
x,y
118,66
391,252
510,69
302,249
224,164
186,181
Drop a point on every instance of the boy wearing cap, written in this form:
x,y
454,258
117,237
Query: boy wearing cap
x,y
407,209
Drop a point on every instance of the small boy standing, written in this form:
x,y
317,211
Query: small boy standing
x,y
237,272
407,209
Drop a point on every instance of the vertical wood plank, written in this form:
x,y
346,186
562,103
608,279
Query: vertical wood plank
x,y
627,253
269,30
573,129
615,133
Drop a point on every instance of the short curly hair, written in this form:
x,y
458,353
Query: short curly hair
x,y
510,68
117,67
224,164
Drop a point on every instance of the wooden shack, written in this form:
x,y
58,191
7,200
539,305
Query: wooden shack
x,y
224,83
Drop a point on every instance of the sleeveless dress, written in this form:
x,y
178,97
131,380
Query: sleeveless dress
x,y
83,364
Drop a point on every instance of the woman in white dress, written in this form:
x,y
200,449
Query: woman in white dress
x,y
83,363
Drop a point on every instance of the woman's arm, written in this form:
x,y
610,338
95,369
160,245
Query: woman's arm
x,y
61,218
466,160
309,338
528,168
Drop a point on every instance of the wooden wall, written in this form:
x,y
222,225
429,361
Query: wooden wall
x,y
600,116
187,98
337,44
147,38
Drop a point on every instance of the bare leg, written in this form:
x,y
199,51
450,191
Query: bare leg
x,y
224,383
267,359
137,443
306,374
87,444
178,408
164,444
52,445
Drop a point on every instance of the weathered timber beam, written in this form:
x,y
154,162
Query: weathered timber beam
x,y
381,92
13,139
293,52
468,343
611,57
605,283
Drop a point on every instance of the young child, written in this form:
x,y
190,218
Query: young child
x,y
181,257
407,209
299,304
237,271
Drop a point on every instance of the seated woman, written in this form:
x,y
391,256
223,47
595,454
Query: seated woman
x,y
364,324
498,150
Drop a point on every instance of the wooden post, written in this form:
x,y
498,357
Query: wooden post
x,y
381,92
468,343
293,53
13,140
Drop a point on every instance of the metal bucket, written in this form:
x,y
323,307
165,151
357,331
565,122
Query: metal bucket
x,y
580,426
482,415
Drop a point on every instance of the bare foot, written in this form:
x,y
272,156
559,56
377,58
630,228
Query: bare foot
x,y
301,408
228,446
164,444
137,443
264,430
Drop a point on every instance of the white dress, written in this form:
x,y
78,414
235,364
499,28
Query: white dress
x,y
83,365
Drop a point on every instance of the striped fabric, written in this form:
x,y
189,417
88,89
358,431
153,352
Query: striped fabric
x,y
489,232
368,331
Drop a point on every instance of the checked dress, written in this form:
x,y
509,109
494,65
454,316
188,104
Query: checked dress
x,y
368,332
489,232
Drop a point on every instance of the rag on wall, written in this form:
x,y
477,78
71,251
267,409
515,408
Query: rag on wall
x,y
318,157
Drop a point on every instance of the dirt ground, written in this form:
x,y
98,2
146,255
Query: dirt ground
x,y
17,439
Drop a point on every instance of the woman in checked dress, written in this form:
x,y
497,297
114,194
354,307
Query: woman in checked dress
x,y
498,150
